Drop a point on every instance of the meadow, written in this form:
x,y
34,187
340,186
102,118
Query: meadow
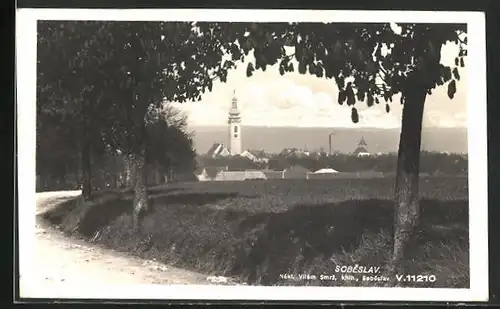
x,y
266,232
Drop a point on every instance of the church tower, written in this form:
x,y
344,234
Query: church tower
x,y
234,121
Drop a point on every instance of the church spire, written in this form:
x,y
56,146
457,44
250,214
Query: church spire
x,y
234,102
362,142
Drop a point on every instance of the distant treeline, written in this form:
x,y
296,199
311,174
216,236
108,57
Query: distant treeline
x,y
433,163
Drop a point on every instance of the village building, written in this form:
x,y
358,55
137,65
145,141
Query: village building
x,y
240,175
218,150
271,174
247,154
209,173
326,171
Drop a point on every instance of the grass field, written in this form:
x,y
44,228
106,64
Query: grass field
x,y
258,231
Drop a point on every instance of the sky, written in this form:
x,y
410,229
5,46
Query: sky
x,y
269,99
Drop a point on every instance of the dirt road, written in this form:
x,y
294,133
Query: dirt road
x,y
63,266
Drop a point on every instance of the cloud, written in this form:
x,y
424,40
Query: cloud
x,y
269,99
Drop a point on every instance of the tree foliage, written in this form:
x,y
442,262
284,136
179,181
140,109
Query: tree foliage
x,y
368,62
99,81
168,142
66,79
121,69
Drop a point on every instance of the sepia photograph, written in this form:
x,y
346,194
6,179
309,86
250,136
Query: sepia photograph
x,y
224,154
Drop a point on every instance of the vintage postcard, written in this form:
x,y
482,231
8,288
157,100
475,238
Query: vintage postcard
x,y
252,155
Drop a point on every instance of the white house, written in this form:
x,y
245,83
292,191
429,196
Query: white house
x,y
326,171
247,154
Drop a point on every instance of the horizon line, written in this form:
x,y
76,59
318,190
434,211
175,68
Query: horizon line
x,y
346,153
323,127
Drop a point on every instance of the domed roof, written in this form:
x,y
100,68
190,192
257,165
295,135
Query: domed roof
x,y
326,171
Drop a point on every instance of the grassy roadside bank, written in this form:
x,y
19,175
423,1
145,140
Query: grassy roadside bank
x,y
220,231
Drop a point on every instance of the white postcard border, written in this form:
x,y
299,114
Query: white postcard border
x,y
477,147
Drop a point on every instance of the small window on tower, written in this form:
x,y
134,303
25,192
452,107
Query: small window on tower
x,y
236,135
235,129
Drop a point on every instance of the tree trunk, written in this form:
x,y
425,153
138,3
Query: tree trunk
x,y
406,215
113,176
128,170
87,170
116,178
140,202
158,177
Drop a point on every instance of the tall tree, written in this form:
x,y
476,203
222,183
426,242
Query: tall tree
x,y
169,145
368,62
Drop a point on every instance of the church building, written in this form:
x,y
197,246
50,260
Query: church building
x,y
234,130
361,151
